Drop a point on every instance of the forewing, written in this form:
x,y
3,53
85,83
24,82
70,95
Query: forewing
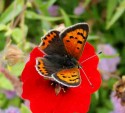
x,y
68,77
74,39
51,43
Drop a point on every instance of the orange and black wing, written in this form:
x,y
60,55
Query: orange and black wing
x,y
68,77
52,44
45,67
74,39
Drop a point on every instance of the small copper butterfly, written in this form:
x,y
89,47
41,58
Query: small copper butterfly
x,y
62,52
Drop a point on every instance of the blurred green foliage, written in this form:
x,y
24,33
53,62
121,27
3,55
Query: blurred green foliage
x,y
25,21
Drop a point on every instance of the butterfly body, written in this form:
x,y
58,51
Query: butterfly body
x,y
62,52
62,62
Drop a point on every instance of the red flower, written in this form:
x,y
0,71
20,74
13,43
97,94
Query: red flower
x,y
42,95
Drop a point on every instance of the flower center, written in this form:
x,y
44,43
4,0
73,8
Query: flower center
x,y
58,87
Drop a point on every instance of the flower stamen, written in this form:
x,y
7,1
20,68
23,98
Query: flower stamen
x,y
58,87
63,89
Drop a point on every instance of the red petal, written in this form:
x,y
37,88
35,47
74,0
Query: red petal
x,y
43,98
42,95
62,104
27,72
90,68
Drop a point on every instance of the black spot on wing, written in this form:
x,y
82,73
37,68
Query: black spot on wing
x,y
43,43
71,37
67,41
38,67
49,41
64,76
74,75
51,33
39,63
48,35
80,42
45,38
81,34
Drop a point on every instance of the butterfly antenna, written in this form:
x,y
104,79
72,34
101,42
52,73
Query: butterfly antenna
x,y
91,57
84,71
86,77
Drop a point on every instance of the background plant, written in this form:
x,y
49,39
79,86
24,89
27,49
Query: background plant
x,y
23,22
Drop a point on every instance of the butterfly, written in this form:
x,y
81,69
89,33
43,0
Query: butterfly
x,y
62,52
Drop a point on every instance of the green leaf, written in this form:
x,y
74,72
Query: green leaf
x,y
50,2
94,102
108,104
32,15
35,16
16,101
2,40
12,11
44,5
103,110
3,27
120,10
5,83
92,37
24,109
68,5
25,30
45,25
95,13
27,46
17,35
3,100
111,5
86,3
65,17
111,82
17,69
2,3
